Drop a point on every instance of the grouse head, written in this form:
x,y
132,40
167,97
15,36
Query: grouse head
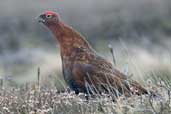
x,y
49,18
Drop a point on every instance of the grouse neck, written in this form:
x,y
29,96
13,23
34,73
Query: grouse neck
x,y
68,38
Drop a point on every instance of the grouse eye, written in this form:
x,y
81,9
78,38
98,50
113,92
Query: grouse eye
x,y
49,16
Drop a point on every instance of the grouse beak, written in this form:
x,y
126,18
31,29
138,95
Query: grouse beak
x,y
40,19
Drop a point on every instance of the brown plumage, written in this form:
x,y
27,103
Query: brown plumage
x,y
83,69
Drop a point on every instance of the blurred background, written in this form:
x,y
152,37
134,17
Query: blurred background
x,y
138,30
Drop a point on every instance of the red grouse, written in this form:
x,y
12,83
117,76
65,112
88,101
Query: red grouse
x,y
83,69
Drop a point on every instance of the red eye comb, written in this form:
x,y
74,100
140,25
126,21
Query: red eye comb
x,y
49,12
